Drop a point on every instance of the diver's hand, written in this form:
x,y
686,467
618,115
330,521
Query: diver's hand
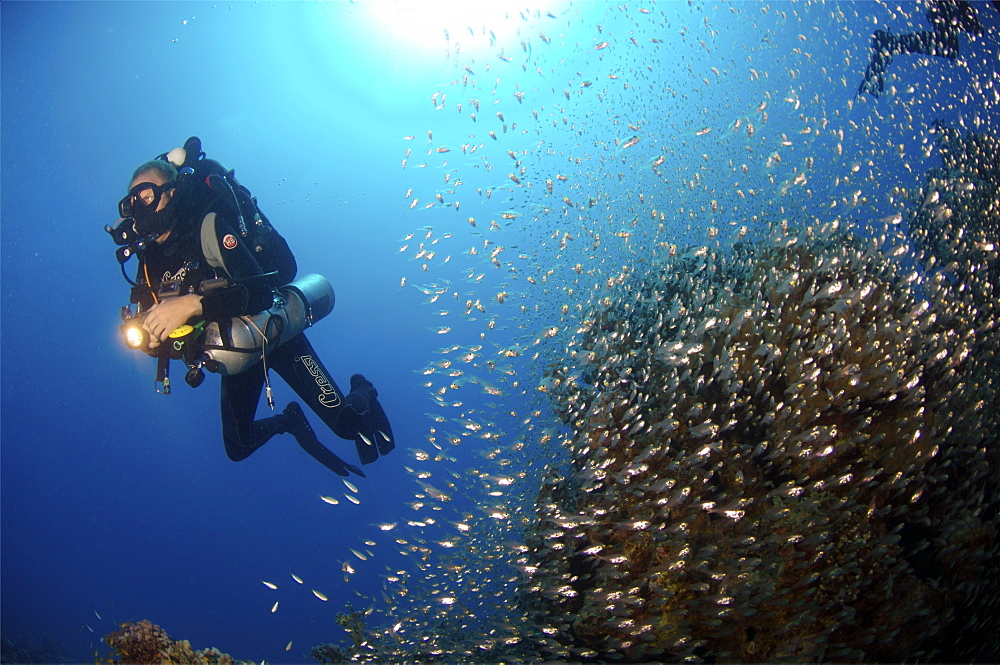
x,y
171,313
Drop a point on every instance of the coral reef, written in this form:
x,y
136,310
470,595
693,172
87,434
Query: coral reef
x,y
145,642
329,653
787,450
362,643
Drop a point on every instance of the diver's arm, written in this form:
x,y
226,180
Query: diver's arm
x,y
286,265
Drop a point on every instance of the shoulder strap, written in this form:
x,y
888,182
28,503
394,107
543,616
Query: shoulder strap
x,y
210,243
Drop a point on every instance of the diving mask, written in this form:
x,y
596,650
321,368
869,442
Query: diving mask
x,y
143,199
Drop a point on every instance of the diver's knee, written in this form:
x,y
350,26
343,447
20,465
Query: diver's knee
x,y
236,456
235,451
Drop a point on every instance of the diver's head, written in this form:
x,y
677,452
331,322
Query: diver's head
x,y
148,200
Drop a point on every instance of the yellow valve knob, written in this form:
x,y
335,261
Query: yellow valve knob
x,y
182,331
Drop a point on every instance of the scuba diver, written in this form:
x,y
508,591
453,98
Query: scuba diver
x,y
214,288
947,18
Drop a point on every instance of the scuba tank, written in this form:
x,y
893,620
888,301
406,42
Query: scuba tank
x,y
234,346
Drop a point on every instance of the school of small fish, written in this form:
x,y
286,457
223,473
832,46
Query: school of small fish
x,y
730,390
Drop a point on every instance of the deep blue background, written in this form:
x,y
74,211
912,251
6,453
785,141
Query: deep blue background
x,y
122,503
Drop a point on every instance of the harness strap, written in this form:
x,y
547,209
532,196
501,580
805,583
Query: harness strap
x,y
210,243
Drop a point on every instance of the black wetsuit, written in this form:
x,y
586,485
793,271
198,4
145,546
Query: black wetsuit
x,y
181,264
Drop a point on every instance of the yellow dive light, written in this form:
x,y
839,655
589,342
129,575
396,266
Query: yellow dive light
x,y
137,338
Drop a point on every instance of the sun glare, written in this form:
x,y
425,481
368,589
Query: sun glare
x,y
435,24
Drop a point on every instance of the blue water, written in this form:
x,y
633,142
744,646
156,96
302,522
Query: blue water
x,y
119,504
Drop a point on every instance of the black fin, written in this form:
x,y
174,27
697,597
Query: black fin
x,y
383,430
364,420
367,451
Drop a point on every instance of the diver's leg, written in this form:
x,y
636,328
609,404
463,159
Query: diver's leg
x,y
297,364
357,416
306,438
240,433
301,368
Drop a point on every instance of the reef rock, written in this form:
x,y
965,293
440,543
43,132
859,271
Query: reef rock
x,y
787,449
